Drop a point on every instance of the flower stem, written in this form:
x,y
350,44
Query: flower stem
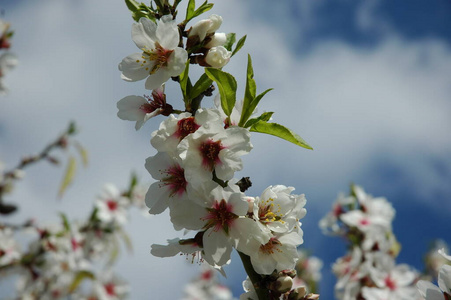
x,y
262,292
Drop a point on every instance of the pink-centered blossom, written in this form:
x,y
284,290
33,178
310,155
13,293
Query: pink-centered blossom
x,y
111,205
207,151
160,59
174,129
141,109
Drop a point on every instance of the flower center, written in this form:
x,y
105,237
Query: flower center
x,y
109,288
267,213
112,205
175,180
220,216
210,153
186,126
147,108
390,283
159,55
75,244
271,246
364,222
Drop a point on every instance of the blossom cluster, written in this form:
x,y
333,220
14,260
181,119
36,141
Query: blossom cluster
x,y
200,149
368,271
430,291
60,256
206,286
8,60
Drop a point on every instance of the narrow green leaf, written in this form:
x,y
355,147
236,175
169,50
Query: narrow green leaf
x,y
83,153
190,10
160,4
127,241
191,13
72,129
281,132
79,277
250,108
185,83
68,176
231,38
265,117
137,10
227,88
132,5
66,223
258,98
249,93
114,253
203,8
239,45
200,86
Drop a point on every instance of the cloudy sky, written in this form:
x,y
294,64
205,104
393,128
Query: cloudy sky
x,y
366,83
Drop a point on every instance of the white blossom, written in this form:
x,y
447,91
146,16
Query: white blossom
x,y
218,57
161,58
140,109
111,205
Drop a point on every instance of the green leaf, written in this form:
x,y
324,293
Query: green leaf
x,y
79,277
231,38
138,9
190,9
239,45
281,132
249,93
68,176
191,13
127,241
200,86
250,100
114,253
227,88
132,5
72,129
185,83
131,186
83,153
265,117
66,223
203,8
159,4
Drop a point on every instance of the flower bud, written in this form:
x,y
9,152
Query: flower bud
x,y
204,27
284,284
218,57
200,29
218,39
298,293
216,22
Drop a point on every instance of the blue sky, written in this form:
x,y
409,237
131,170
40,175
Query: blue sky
x,y
366,83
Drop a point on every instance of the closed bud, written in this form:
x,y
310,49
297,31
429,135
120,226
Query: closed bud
x,y
204,27
218,39
298,293
218,57
216,22
283,284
